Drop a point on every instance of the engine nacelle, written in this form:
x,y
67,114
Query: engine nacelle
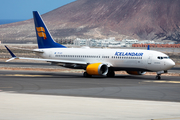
x,y
97,69
136,72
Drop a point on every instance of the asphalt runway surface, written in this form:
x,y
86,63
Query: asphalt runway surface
x,y
68,96
74,84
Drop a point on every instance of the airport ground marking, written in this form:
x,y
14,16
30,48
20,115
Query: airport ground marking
x,y
177,82
25,75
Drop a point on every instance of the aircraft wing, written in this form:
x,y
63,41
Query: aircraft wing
x,y
52,60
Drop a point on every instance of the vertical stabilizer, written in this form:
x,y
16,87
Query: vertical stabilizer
x,y
44,38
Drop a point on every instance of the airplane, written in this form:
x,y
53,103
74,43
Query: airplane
x,y
102,62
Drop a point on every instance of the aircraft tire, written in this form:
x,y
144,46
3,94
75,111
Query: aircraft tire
x,y
110,73
85,74
158,77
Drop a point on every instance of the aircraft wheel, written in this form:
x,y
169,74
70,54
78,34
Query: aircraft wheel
x,y
85,74
158,77
111,73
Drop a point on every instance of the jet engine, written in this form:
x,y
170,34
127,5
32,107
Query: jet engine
x,y
136,72
97,69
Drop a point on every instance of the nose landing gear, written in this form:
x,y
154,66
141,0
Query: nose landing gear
x,y
158,76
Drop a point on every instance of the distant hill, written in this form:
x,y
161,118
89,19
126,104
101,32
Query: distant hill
x,y
141,19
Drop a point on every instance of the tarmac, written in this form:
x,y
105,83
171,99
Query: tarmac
x,y
46,107
69,96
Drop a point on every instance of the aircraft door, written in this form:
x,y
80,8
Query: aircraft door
x,y
149,62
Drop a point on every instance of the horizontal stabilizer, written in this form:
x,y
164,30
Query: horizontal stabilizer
x,y
11,59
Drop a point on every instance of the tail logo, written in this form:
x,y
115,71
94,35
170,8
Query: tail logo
x,y
41,32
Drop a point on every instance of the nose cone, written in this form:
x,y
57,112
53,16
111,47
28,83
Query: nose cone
x,y
170,64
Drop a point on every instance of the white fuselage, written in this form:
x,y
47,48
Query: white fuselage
x,y
120,59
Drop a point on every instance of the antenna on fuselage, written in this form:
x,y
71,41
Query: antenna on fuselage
x,y
148,48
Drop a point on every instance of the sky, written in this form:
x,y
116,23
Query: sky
x,y
22,9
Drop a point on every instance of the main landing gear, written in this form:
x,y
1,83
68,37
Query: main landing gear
x,y
111,73
85,74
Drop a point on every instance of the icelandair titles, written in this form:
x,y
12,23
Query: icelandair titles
x,y
128,54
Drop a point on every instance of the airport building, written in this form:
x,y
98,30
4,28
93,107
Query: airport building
x,y
111,42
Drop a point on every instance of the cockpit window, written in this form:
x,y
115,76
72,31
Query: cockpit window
x,y
159,57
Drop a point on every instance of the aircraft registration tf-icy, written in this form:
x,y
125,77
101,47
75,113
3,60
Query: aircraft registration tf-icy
x,y
96,61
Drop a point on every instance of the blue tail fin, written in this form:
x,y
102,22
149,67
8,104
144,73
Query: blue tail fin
x,y
44,38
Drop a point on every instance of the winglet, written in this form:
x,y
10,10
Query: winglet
x,y
12,54
148,48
